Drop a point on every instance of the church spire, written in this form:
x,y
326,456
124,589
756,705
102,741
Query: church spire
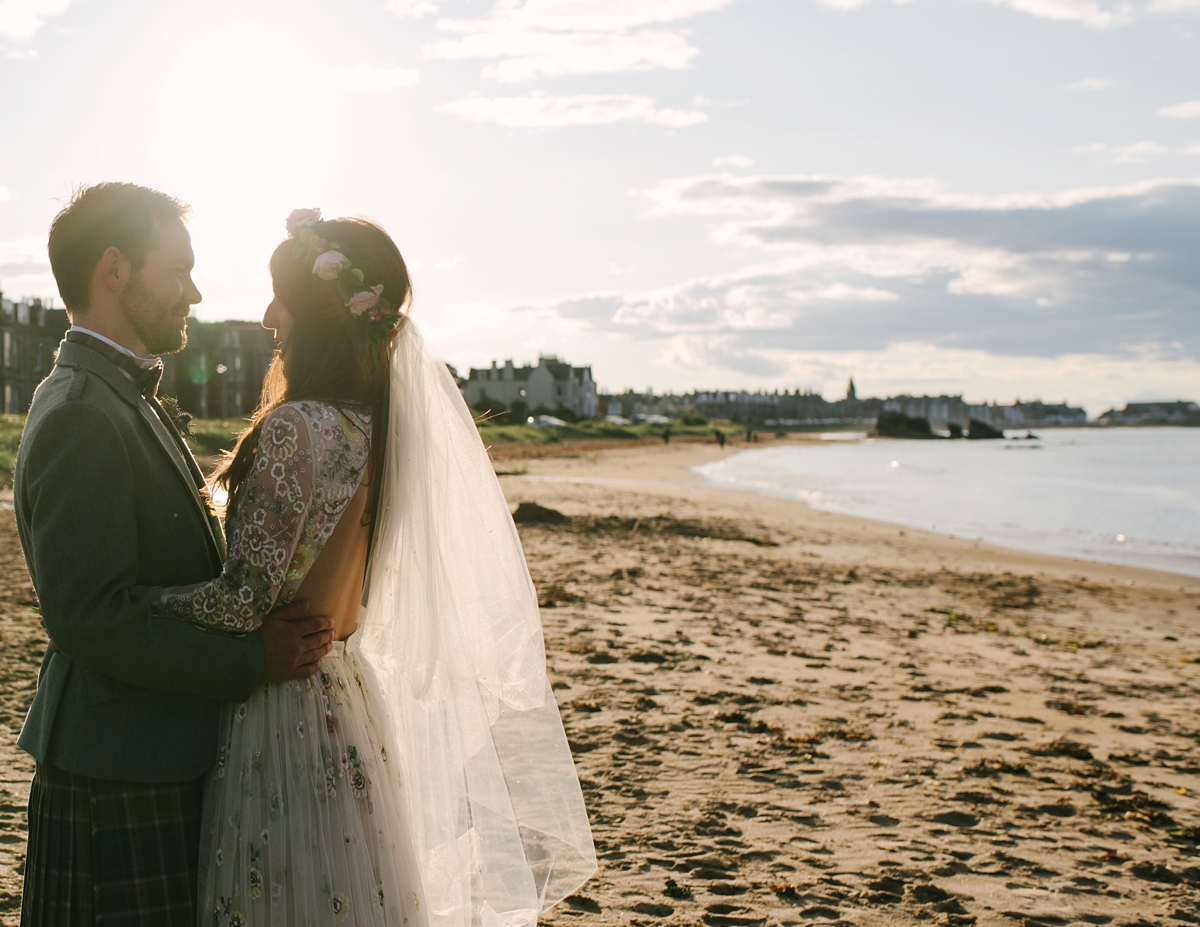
x,y
850,393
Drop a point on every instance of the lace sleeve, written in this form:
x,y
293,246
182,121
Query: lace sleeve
x,y
264,527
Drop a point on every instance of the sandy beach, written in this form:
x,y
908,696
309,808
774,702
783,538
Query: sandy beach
x,y
786,717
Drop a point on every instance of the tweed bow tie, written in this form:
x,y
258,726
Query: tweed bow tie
x,y
146,379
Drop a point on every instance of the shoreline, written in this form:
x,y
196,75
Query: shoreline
x,y
651,468
786,717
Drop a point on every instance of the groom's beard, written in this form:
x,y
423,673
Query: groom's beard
x,y
158,323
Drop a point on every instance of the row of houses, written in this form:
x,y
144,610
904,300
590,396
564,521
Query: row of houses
x,y
805,408
221,371
30,332
220,374
551,387
943,411
1182,412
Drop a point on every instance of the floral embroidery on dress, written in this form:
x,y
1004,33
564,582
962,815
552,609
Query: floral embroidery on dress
x,y
307,829
308,464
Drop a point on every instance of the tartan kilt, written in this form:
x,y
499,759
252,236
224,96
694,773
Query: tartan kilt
x,y
111,854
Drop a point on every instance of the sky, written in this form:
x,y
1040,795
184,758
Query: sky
x,y
998,198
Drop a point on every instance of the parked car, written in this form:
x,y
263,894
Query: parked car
x,y
650,419
544,421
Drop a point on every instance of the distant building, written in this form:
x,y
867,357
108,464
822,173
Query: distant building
x,y
550,387
221,371
1181,412
941,411
805,408
631,403
1036,414
30,332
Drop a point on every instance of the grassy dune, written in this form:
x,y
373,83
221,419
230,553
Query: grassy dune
x,y
210,436
527,434
10,437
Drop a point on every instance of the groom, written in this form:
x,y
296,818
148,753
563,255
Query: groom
x,y
108,498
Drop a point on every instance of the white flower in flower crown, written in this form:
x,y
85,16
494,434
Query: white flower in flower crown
x,y
361,302
327,266
302,218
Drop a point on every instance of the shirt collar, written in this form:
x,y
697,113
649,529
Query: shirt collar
x,y
142,361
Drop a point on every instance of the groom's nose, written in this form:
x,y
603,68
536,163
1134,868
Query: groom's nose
x,y
191,294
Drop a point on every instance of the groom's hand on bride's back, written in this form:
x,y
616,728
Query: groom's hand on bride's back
x,y
294,643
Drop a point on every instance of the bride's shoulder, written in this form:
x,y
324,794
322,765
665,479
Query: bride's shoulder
x,y
327,423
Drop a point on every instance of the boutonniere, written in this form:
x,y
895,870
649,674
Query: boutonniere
x,y
180,419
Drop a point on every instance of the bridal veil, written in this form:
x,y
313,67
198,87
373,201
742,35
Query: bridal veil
x,y
452,634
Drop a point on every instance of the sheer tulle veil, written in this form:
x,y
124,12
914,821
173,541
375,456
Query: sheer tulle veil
x,y
451,632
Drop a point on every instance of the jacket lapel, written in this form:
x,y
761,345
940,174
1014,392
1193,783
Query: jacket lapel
x,y
185,466
193,469
75,355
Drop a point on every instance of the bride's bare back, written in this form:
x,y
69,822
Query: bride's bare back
x,y
334,585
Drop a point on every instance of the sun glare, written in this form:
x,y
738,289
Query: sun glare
x,y
241,132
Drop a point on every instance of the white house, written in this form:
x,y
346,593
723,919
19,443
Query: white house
x,y
551,385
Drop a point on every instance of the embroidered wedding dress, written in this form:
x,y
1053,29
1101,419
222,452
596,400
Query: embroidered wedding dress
x,y
305,820
422,777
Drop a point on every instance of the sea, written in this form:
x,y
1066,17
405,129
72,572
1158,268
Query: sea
x,y
1118,495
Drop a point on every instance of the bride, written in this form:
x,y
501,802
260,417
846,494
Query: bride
x,y
422,776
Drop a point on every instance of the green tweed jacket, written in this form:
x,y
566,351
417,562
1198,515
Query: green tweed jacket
x,y
106,501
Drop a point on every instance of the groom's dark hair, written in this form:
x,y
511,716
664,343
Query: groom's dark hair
x,y
102,216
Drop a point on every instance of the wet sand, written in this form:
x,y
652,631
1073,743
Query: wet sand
x,y
785,717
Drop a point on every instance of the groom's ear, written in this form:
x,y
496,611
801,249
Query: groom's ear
x,y
109,278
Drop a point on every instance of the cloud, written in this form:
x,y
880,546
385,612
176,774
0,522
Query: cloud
x,y
540,110
364,78
1080,11
1134,153
25,268
22,256
448,262
20,19
1091,83
412,8
865,263
1086,12
733,161
1097,14
1189,110
1138,151
841,291
547,38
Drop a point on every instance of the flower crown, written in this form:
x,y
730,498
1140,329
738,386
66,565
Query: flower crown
x,y
329,263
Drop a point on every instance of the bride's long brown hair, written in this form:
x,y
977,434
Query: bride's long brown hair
x,y
330,355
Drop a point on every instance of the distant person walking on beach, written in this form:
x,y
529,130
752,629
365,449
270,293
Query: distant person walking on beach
x,y
667,435
720,437
107,496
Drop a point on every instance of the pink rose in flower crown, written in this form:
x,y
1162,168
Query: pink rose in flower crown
x,y
302,218
316,244
361,302
327,266
378,313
